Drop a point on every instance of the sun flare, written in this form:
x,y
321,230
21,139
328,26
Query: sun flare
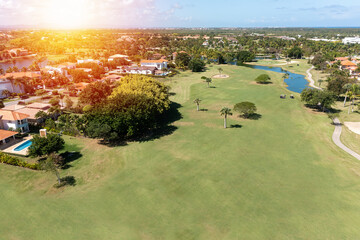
x,y
66,13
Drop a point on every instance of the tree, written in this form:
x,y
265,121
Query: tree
x,y
263,79
337,81
352,93
196,65
225,112
197,102
347,87
244,56
318,98
207,80
182,60
45,145
295,52
95,93
6,93
220,71
246,109
49,165
68,102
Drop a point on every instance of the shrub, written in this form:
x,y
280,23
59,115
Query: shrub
x,y
40,92
12,160
263,79
245,108
87,108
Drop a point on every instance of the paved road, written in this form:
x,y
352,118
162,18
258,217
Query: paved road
x,y
312,82
337,141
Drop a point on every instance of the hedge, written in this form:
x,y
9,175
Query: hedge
x,y
12,160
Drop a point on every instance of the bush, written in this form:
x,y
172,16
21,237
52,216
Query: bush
x,y
11,160
87,108
45,145
263,79
245,108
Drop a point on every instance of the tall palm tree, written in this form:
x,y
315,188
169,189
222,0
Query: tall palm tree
x,y
197,102
225,112
354,91
2,71
11,79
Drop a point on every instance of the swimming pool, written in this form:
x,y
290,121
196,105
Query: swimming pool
x,y
22,146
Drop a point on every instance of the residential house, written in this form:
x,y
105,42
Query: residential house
x,y
79,61
14,120
6,136
144,70
159,64
119,56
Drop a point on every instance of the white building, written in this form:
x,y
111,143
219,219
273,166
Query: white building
x,y
88,61
159,64
118,56
351,40
14,120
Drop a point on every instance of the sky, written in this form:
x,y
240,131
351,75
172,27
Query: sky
x,y
175,13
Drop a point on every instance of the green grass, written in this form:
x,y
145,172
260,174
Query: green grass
x,y
279,177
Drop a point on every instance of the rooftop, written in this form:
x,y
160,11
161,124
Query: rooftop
x,y
11,115
4,134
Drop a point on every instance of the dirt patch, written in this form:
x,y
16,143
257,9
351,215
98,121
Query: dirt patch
x,y
221,76
184,124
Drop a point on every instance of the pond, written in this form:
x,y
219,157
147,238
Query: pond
x,y
295,82
20,63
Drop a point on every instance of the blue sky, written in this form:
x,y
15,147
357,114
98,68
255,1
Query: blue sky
x,y
185,13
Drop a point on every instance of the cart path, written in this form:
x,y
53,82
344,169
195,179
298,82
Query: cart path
x,y
336,139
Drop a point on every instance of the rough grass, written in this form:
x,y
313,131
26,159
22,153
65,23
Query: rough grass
x,y
279,177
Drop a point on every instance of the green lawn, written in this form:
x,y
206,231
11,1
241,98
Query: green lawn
x,y
279,177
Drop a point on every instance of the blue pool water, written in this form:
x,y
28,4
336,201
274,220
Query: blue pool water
x,y
295,82
23,145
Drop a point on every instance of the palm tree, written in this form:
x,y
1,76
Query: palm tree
x,y
6,93
347,87
1,71
353,94
11,79
220,71
225,112
320,81
197,101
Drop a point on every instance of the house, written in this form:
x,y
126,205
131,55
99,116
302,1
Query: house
x,y
119,56
159,64
6,136
144,70
80,86
112,78
79,61
13,120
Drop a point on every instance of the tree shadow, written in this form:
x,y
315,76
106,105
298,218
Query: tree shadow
x,y
235,126
165,127
172,94
264,83
255,116
212,87
66,181
69,157
118,143
203,110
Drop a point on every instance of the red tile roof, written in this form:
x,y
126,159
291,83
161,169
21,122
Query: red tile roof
x,y
4,134
12,116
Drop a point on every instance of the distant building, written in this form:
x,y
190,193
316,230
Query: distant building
x,y
351,40
159,64
118,56
18,52
79,61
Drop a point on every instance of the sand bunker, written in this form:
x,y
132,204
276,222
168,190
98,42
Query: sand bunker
x,y
353,126
220,76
